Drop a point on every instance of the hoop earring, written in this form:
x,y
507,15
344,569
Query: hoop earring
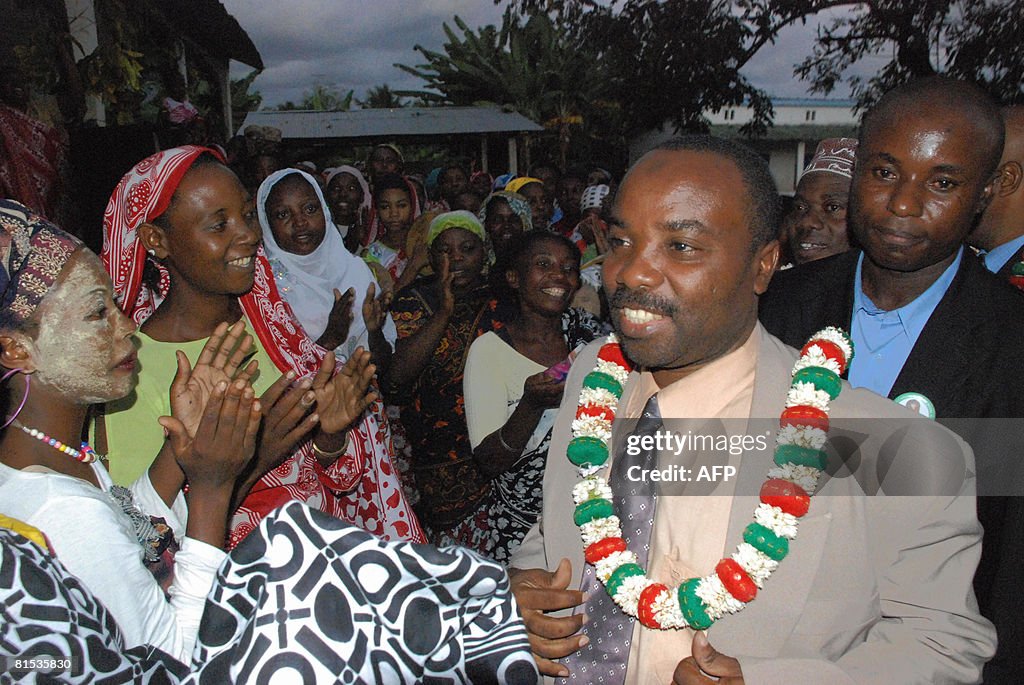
x,y
24,398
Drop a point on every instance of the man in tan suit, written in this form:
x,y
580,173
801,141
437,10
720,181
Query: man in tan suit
x,y
875,588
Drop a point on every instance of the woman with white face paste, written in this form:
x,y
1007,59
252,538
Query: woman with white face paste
x,y
65,345
60,594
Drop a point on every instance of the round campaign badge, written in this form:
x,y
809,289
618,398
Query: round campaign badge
x,y
915,401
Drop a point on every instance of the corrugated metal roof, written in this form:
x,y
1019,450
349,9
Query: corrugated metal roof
x,y
401,121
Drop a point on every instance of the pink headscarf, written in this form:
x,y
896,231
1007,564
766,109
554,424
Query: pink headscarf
x,y
373,498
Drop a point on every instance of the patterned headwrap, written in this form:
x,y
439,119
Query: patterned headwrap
x,y
520,207
467,221
516,184
38,252
144,194
835,156
593,196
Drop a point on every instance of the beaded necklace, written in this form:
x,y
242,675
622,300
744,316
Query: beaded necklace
x,y
84,453
152,534
785,495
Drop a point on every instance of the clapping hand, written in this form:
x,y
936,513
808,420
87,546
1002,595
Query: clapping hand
x,y
375,309
219,362
224,441
286,420
339,320
447,295
342,397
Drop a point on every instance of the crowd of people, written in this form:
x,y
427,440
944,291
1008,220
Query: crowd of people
x,y
407,396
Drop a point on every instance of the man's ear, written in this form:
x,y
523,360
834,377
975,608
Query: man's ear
x,y
154,239
991,189
767,258
15,353
1010,178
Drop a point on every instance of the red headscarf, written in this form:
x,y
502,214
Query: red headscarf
x,y
373,496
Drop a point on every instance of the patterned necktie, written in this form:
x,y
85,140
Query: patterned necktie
x,y
610,630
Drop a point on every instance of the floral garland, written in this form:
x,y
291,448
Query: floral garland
x,y
785,495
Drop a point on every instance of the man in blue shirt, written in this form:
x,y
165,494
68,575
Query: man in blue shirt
x,y
933,329
1000,232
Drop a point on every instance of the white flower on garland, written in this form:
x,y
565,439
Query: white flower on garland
x,y
804,436
614,370
805,394
816,357
837,338
757,564
628,596
717,599
599,529
591,488
599,397
605,566
804,476
667,611
593,427
777,521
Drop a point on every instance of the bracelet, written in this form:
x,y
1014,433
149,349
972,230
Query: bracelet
x,y
504,444
329,455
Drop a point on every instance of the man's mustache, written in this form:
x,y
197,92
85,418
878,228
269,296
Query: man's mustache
x,y
639,299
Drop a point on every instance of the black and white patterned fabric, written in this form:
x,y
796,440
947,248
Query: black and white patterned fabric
x,y
309,598
46,613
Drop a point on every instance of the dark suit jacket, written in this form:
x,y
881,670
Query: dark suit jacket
x,y
968,361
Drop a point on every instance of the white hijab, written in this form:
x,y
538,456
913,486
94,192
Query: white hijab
x,y
314,277
366,204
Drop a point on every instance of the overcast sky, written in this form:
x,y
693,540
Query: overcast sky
x,y
353,44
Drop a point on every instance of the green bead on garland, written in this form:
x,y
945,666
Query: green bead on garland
x,y
590,509
694,610
765,541
587,449
599,379
620,574
1017,269
800,456
821,378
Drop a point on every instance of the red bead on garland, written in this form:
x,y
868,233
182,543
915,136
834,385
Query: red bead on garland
x,y
597,411
804,415
789,497
830,350
736,581
597,551
644,607
612,352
